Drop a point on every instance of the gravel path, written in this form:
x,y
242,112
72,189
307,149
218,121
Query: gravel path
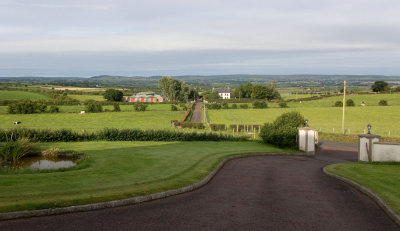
x,y
196,117
255,193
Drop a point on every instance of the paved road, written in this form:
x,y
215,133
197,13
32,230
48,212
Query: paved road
x,y
256,193
196,117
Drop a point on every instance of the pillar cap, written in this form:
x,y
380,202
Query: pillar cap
x,y
308,128
369,136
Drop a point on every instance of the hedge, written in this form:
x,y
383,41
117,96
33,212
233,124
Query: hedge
x,y
217,127
113,134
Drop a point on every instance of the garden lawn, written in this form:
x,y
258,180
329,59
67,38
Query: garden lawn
x,y
17,95
325,119
119,170
92,121
382,178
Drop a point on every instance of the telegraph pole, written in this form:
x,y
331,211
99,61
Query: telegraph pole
x,y
344,104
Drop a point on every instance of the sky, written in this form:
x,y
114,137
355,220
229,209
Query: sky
x,y
198,37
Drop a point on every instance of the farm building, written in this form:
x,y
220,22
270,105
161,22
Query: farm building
x,y
224,93
150,97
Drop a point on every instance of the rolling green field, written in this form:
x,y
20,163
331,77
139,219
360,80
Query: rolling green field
x,y
87,97
382,178
118,170
92,121
16,95
325,119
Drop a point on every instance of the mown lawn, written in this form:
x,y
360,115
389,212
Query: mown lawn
x,y
326,119
118,170
92,121
382,178
16,95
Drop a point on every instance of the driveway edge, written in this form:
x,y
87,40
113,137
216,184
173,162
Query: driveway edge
x,y
133,200
389,211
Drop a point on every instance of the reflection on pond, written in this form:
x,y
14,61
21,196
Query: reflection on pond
x,y
41,163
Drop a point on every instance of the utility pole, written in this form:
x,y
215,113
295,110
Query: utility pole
x,y
344,104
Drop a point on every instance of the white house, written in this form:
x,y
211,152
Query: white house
x,y
224,93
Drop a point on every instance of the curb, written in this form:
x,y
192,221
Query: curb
x,y
133,200
389,211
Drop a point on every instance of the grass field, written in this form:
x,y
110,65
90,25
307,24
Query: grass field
x,y
118,170
87,97
16,95
92,121
326,119
383,179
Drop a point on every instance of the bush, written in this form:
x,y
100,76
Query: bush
x,y
140,106
260,104
213,106
116,107
217,127
225,105
383,103
283,105
234,106
26,107
94,107
283,131
54,109
338,104
244,106
350,103
174,108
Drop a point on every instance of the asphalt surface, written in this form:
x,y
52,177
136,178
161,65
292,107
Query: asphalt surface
x,y
255,193
196,117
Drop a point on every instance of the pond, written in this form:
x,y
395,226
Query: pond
x,y
41,163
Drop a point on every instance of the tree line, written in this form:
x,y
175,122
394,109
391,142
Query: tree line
x,y
177,91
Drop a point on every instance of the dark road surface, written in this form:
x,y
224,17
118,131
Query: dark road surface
x,y
255,193
196,117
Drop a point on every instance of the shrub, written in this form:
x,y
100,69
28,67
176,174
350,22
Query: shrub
x,y
225,105
94,107
283,131
140,106
283,105
213,106
234,106
217,127
260,104
116,107
244,106
338,104
174,108
15,149
54,109
383,103
26,107
350,103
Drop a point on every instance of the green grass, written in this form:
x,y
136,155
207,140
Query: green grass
x,y
118,170
326,119
16,95
382,178
92,121
87,97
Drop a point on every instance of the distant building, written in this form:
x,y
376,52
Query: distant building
x,y
149,97
224,93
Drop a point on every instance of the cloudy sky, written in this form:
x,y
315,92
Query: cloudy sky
x,y
177,37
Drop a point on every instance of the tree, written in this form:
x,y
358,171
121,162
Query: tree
x,y
379,86
177,91
272,92
259,92
113,95
350,103
211,95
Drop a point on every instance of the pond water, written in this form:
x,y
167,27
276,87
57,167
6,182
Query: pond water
x,y
40,162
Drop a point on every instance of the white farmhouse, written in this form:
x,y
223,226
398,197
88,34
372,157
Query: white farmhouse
x,y
224,93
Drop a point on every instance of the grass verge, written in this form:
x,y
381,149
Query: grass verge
x,y
119,170
381,178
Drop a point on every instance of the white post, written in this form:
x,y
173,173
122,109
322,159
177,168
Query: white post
x,y
344,104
